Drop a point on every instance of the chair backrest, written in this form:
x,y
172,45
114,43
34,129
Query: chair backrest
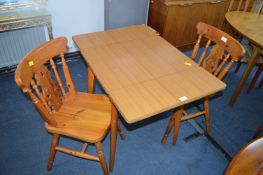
x,y
241,5
249,160
224,50
34,78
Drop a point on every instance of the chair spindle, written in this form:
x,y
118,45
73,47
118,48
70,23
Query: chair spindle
x,y
204,52
225,70
221,64
54,67
70,84
196,48
239,5
246,5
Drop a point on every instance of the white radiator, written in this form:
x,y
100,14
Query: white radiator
x,y
14,45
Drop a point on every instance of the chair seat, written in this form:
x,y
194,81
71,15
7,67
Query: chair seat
x,y
83,116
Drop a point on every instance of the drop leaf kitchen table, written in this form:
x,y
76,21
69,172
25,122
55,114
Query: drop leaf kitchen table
x,y
142,74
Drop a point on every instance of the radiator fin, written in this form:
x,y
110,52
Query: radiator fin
x,y
16,44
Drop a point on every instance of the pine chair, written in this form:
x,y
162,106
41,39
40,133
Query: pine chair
x,y
248,161
66,112
224,51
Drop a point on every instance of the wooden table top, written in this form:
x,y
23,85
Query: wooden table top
x,y
142,73
248,24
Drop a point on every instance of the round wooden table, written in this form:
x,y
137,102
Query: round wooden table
x,y
250,25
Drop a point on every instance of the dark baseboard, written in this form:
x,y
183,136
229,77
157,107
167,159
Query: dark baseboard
x,y
73,55
68,56
8,69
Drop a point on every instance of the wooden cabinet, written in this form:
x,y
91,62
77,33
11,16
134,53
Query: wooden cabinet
x,y
176,20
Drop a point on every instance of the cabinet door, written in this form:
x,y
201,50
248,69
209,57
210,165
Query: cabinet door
x,y
180,26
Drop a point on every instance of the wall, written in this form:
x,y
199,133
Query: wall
x,y
76,17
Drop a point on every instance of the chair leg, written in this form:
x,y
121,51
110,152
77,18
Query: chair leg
x,y
91,81
258,132
102,158
53,151
120,131
238,67
261,83
113,136
207,115
84,147
177,121
168,129
253,82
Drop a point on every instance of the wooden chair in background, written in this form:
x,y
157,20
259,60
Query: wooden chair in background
x,y
225,50
248,161
241,5
66,112
254,6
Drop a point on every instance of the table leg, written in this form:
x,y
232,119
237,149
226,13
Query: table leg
x,y
241,83
177,122
90,81
113,136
